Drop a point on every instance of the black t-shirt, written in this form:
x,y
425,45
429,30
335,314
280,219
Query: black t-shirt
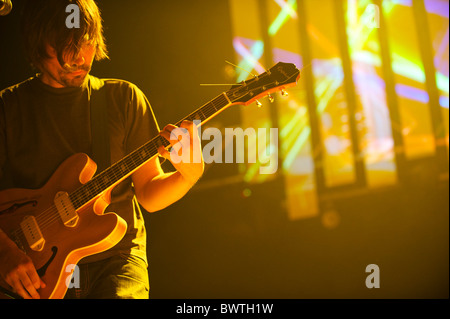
x,y
41,126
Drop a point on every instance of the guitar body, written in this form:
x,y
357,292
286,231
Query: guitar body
x,y
62,245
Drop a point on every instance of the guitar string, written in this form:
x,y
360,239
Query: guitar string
x,y
48,216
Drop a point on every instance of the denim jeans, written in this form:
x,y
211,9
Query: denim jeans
x,y
118,277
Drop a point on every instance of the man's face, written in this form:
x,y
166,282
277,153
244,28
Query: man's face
x,y
73,73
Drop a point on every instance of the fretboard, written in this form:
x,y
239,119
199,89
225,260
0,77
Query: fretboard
x,y
130,163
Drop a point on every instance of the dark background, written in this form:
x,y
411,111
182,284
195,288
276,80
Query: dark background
x,y
217,243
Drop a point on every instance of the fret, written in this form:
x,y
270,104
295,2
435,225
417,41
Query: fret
x,y
203,117
213,105
206,111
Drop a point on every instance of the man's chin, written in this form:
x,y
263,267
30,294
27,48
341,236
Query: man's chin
x,y
76,80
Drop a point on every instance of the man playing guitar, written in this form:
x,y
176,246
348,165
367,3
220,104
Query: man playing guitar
x,y
46,119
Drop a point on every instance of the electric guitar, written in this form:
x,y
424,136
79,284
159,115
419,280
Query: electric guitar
x,y
64,221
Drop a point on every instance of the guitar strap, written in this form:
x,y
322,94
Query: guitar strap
x,y
99,129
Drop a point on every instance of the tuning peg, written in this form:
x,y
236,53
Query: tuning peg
x,y
258,103
284,93
271,99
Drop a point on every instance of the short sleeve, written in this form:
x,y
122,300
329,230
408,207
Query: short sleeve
x,y
141,124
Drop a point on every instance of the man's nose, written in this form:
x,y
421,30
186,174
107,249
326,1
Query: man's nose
x,y
79,60
75,64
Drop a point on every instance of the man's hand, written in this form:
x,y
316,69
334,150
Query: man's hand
x,y
17,270
186,154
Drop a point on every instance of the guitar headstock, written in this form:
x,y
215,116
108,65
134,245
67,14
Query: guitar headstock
x,y
279,77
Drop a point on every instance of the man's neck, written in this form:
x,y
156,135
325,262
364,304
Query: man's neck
x,y
48,80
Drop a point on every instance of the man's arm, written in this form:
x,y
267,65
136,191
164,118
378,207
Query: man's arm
x,y
156,190
16,268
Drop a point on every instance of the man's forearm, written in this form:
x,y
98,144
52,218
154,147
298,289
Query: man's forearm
x,y
164,190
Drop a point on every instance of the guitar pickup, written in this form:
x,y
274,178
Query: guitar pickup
x,y
66,210
32,232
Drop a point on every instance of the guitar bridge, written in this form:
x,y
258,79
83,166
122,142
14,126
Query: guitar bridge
x,y
66,210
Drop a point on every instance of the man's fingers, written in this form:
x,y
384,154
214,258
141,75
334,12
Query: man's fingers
x,y
31,273
187,125
165,134
23,284
169,127
175,134
26,282
182,139
34,277
164,153
17,286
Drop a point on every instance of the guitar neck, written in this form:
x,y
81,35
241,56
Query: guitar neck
x,y
280,76
129,164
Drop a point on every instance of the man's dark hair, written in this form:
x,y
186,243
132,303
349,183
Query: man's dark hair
x,y
44,23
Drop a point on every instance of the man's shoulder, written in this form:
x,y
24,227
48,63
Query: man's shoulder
x,y
10,96
24,85
112,84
